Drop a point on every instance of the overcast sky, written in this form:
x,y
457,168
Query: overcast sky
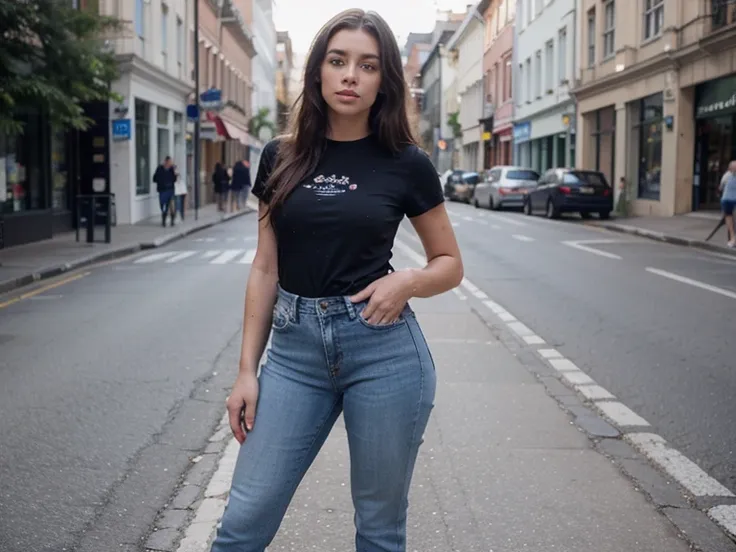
x,y
303,19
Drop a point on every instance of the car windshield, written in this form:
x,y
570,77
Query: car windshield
x,y
522,174
471,178
590,178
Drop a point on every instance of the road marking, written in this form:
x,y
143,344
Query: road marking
x,y
621,414
681,468
455,224
521,237
459,294
473,289
594,392
564,365
248,258
468,218
226,256
507,220
578,378
495,307
153,257
580,244
725,516
485,223
549,353
43,289
520,329
181,256
507,316
533,340
211,253
694,283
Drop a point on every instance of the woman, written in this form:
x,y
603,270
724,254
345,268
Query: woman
x,y
221,183
344,340
728,200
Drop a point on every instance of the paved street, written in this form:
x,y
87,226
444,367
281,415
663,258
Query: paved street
x,y
650,322
112,381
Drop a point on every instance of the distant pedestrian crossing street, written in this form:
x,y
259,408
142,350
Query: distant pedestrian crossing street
x,y
209,256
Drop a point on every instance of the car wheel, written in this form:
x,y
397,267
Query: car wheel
x,y
604,215
490,202
528,207
552,212
475,203
584,214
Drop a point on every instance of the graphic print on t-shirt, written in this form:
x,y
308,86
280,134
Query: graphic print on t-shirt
x,y
329,186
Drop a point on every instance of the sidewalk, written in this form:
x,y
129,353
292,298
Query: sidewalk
x,y
505,467
25,264
690,230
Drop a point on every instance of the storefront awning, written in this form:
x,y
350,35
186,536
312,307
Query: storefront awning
x,y
235,133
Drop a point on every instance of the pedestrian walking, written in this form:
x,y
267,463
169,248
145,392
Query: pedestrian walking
x,y
241,180
344,339
165,179
727,188
221,183
180,193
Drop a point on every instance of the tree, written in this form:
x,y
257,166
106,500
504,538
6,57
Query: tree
x,y
260,121
454,124
52,57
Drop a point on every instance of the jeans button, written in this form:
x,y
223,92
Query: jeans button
x,y
323,305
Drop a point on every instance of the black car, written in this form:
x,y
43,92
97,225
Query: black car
x,y
570,191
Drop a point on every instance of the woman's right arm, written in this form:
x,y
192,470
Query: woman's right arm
x,y
260,295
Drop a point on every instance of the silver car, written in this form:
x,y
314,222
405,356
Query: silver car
x,y
505,186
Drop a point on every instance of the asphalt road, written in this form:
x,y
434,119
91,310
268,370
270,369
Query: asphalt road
x,y
653,323
109,384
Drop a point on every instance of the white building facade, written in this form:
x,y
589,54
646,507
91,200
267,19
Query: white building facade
x,y
155,85
264,63
466,51
544,67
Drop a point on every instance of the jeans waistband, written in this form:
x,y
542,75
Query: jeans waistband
x,y
326,306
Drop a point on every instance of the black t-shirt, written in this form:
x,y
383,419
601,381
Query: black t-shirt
x,y
336,229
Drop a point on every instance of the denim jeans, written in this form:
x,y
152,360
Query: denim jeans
x,y
164,200
325,359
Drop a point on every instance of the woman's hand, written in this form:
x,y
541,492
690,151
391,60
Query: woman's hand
x,y
243,397
386,297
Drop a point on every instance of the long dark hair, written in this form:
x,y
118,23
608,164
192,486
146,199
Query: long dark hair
x,y
300,149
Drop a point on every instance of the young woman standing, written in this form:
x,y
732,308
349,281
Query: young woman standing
x,y
332,195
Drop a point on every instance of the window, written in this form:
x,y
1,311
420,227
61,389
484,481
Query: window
x,y
650,146
609,29
179,152
139,11
604,137
142,147
507,91
653,18
164,34
591,38
162,134
538,74
528,72
180,46
522,174
503,13
512,9
562,54
549,66
521,85
59,170
23,173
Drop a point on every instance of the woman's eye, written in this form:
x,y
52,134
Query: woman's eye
x,y
368,67
336,62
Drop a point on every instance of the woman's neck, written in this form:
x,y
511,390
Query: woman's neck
x,y
348,129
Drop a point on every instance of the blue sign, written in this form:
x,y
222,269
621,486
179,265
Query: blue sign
x,y
212,95
192,112
121,129
522,132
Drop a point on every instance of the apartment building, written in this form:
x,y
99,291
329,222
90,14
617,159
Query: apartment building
x,y
656,97
544,136
415,52
264,63
466,57
498,111
284,68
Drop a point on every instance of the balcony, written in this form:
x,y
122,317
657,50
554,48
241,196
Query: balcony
x,y
231,17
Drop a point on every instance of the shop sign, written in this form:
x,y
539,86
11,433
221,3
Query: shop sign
x,y
121,129
522,132
716,98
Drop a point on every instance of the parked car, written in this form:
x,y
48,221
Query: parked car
x,y
505,186
460,186
570,191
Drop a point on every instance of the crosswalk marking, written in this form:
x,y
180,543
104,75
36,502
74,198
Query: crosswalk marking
x,y
248,257
211,253
153,257
227,256
181,256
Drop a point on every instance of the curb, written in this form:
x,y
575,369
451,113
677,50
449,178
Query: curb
x,y
662,237
122,251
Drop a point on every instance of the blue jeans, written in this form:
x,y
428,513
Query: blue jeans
x,y
164,199
325,359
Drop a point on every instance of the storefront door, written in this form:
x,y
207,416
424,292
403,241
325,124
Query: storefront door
x,y
715,143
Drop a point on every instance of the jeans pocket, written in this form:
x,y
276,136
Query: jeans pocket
x,y
401,321
281,319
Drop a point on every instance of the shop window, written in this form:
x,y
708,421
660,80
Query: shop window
x,y
59,171
650,146
143,147
23,168
162,120
604,138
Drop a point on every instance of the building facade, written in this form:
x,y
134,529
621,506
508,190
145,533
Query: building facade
x,y
284,67
415,53
466,54
657,99
264,64
498,44
544,133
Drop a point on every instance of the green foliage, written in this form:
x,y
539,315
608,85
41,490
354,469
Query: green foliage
x,y
260,121
53,58
454,124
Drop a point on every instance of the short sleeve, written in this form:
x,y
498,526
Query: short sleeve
x,y
265,166
424,191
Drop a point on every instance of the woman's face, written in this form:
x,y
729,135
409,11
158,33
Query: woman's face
x,y
351,72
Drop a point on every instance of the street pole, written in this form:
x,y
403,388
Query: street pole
x,y
196,103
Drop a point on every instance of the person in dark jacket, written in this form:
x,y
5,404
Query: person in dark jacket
x,y
165,178
240,182
221,182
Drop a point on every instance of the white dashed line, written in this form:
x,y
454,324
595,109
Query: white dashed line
x,y
578,378
580,244
549,353
474,290
227,256
248,258
621,414
507,220
594,392
691,282
181,256
153,257
533,340
522,238
564,365
681,468
495,307
211,253
507,317
460,294
520,329
725,516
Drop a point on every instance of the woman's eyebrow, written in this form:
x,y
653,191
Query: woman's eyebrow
x,y
339,52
